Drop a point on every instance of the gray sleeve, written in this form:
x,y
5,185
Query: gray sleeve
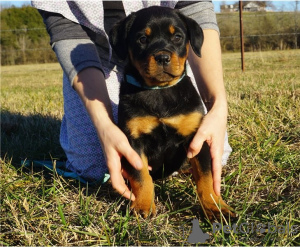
x,y
203,13
75,55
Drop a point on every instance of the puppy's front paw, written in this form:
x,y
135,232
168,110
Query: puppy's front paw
x,y
144,207
144,198
214,206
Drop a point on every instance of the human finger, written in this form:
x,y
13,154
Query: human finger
x,y
118,183
196,144
131,155
216,155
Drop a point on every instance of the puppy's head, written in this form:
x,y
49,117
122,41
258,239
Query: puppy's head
x,y
157,40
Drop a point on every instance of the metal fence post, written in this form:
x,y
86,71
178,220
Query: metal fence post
x,y
242,35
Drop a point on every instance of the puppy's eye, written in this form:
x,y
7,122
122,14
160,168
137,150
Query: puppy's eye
x,y
143,40
177,38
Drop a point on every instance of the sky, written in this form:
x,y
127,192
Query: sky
x,y
280,5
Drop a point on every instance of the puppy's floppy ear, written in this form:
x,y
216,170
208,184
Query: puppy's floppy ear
x,y
118,36
195,33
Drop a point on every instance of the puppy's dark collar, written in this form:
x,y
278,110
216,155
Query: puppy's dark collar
x,y
130,79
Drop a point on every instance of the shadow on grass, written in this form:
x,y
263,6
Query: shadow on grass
x,y
36,137
29,137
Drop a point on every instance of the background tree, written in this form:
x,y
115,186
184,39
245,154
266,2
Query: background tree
x,y
24,37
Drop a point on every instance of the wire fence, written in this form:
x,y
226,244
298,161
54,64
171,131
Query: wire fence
x,y
262,32
48,48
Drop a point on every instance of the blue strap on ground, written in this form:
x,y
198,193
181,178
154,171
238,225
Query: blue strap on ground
x,y
60,169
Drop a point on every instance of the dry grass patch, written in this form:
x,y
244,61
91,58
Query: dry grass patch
x,y
261,180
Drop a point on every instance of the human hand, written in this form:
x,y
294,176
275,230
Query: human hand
x,y
212,130
91,87
115,145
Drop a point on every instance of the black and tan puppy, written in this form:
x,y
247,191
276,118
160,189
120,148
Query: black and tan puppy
x,y
160,110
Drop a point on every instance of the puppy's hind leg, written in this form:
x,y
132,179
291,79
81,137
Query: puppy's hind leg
x,y
142,187
212,204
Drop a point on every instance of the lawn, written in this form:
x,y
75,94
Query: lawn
x,y
261,180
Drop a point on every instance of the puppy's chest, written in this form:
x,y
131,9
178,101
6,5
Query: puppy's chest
x,y
165,111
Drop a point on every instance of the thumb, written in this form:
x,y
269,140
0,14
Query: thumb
x,y
118,182
132,157
119,185
195,145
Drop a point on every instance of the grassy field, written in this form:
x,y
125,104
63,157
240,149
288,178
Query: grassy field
x,y
261,180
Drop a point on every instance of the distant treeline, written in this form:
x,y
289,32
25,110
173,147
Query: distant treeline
x,y
24,38
263,31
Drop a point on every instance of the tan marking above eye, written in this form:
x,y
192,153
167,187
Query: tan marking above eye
x,y
148,31
172,29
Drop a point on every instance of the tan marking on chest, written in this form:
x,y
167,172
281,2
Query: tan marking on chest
x,y
142,125
185,124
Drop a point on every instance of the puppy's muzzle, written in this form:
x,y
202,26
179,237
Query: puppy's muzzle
x,y
162,58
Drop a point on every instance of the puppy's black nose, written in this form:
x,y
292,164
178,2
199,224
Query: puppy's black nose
x,y
162,59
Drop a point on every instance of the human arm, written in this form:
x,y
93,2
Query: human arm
x,y
208,73
90,86
78,57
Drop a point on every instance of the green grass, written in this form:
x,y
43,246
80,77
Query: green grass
x,y
261,180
